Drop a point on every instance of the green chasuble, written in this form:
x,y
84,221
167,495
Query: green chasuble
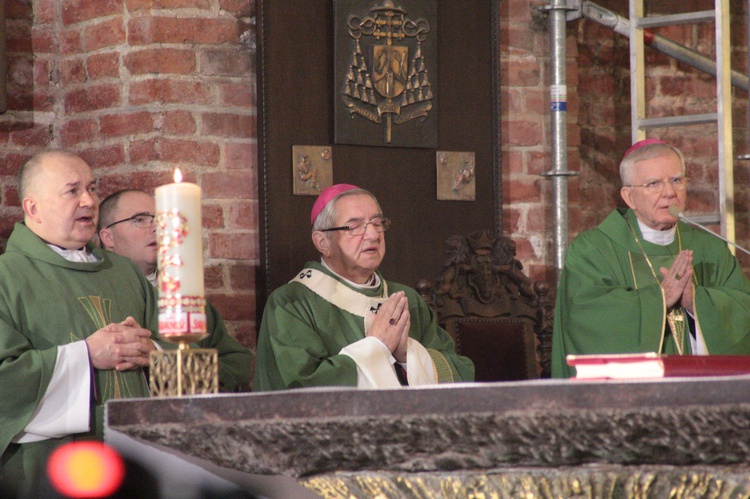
x,y
235,360
46,301
302,334
608,300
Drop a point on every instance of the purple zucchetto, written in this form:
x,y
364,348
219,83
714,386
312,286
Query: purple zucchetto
x,y
326,196
642,143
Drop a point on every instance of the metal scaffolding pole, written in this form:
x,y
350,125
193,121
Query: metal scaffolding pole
x,y
558,102
621,25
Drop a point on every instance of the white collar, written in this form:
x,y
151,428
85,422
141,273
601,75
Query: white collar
x,y
660,237
74,255
374,282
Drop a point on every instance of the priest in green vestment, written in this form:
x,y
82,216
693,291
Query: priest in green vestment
x,y
75,321
642,281
339,322
126,227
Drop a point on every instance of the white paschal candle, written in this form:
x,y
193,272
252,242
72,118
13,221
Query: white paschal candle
x,y
180,260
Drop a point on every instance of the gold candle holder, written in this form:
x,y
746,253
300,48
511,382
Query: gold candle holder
x,y
182,307
184,371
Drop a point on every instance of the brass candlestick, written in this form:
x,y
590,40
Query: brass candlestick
x,y
182,319
184,370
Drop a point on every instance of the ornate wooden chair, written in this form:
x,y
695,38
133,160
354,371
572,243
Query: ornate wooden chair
x,y
496,316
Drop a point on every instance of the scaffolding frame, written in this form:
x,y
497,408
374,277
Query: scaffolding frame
x,y
559,12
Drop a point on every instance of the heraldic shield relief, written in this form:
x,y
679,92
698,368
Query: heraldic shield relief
x,y
386,70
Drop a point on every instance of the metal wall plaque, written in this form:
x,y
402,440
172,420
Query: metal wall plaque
x,y
386,72
456,176
312,169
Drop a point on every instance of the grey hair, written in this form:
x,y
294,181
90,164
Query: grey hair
x,y
649,151
327,216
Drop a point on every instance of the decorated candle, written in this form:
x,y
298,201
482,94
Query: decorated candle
x,y
182,316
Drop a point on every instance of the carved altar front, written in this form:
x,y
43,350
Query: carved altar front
x,y
548,438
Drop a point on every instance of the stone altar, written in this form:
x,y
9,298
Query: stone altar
x,y
679,437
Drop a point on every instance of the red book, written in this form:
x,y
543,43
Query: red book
x,y
652,365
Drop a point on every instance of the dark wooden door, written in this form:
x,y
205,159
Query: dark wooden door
x,y
296,89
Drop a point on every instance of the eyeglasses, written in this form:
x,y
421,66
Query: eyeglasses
x,y
677,183
359,228
140,221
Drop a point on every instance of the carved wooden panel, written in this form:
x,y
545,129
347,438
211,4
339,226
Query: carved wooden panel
x,y
499,319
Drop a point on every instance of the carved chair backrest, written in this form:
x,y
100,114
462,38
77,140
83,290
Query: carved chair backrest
x,y
496,316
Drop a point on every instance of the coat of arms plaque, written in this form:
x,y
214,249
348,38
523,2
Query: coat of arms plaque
x,y
386,73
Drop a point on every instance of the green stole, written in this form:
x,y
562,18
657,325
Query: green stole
x,y
644,270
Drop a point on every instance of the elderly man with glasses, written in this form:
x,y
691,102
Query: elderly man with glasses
x,y
642,281
339,322
126,227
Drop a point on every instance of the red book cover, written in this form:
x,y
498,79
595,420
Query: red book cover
x,y
652,365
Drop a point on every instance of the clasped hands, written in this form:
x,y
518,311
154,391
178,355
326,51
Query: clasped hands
x,y
677,281
121,346
391,325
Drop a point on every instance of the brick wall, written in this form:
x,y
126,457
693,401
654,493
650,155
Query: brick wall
x,y
138,87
